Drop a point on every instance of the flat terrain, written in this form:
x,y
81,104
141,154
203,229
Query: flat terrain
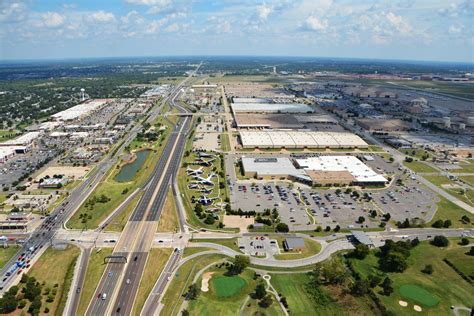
x,y
311,248
444,284
95,269
119,221
155,263
6,254
56,267
169,217
448,210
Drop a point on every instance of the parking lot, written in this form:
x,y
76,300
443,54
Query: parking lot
x,y
259,246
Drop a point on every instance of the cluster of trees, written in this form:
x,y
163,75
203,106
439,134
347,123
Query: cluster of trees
x,y
442,224
329,272
393,256
336,229
207,218
260,294
31,291
411,223
440,241
238,265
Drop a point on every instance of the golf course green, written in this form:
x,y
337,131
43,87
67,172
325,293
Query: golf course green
x,y
225,286
418,295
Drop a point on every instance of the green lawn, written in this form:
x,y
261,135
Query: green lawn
x,y
6,134
169,216
226,294
444,284
418,295
6,254
227,286
418,166
95,269
228,242
468,179
457,256
156,261
63,262
465,168
444,183
311,248
293,287
252,308
188,251
119,221
173,298
225,142
448,210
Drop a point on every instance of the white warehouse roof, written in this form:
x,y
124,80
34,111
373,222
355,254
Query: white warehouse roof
x,y
300,139
272,107
79,110
23,140
360,171
271,166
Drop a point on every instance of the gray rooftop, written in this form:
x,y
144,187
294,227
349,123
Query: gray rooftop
x,y
294,242
270,166
362,237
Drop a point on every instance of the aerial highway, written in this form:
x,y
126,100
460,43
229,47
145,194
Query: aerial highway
x,y
119,284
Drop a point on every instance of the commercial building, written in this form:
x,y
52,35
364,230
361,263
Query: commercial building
x,y
293,244
267,121
23,140
363,238
6,153
361,173
384,125
53,183
79,110
300,139
271,108
270,168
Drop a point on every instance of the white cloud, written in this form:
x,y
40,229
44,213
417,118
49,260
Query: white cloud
x,y
156,6
264,11
398,23
313,23
52,19
102,16
12,11
455,29
172,28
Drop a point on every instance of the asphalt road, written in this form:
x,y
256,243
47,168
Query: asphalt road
x,y
76,293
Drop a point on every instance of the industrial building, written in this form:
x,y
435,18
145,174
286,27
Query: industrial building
x,y
270,168
79,110
23,140
271,108
300,139
267,121
384,125
340,167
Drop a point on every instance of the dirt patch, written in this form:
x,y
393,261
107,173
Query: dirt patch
x,y
205,281
236,221
69,171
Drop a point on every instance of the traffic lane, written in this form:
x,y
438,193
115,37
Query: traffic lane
x,y
153,299
76,295
106,286
131,282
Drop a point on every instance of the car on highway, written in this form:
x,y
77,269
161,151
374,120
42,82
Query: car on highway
x,y
104,296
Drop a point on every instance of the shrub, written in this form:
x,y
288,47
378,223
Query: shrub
x,y
440,241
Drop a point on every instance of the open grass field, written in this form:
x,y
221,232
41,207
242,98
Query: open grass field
x,y
444,284
56,267
448,210
226,294
468,179
225,142
188,251
95,269
6,254
115,190
465,168
227,286
173,298
228,242
311,248
169,216
452,188
6,134
252,308
293,287
455,89
465,263
418,166
155,263
119,221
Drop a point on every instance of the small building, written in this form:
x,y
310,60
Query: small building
x,y
53,183
361,237
269,168
294,244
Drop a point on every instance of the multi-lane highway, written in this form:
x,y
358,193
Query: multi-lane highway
x,y
120,281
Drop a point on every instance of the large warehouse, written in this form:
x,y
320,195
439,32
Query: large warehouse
x,y
339,167
300,139
267,121
270,168
252,107
79,110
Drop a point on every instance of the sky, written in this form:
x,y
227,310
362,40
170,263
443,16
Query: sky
x,y
431,30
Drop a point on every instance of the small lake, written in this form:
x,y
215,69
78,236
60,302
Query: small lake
x,y
128,171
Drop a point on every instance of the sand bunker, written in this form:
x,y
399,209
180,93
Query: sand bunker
x,y
403,303
205,281
417,308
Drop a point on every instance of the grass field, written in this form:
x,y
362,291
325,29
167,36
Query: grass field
x,y
226,294
311,248
63,262
6,134
293,287
418,166
448,210
227,286
466,196
6,254
188,251
95,269
252,308
155,263
457,256
444,284
418,294
465,168
468,179
228,242
119,221
182,279
169,216
225,142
